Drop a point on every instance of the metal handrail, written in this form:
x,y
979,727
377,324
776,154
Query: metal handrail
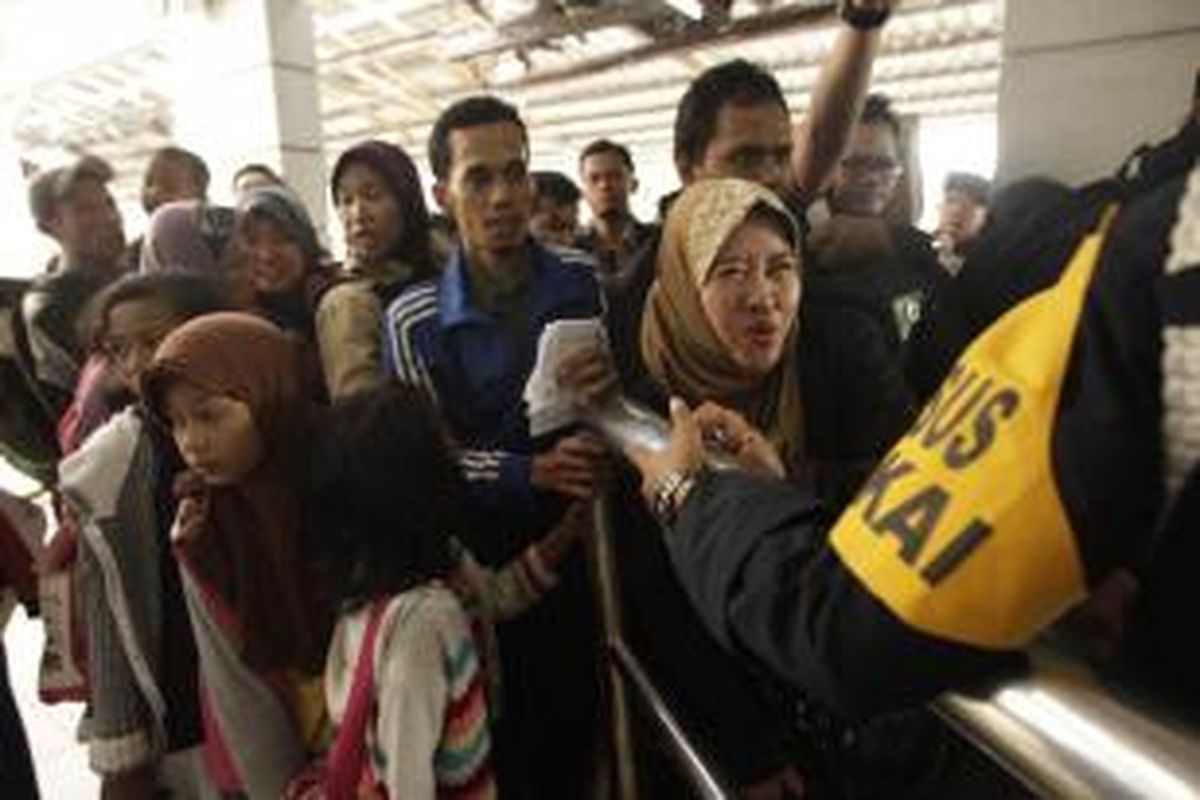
x,y
605,584
702,776
1057,729
623,668
1063,734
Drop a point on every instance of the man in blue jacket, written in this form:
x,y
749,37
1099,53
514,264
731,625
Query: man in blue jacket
x,y
469,338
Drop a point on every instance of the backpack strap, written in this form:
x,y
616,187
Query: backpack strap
x,y
348,755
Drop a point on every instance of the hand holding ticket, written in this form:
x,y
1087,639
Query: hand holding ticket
x,y
551,405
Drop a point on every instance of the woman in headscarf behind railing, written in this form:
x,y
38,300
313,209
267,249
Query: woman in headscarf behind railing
x,y
724,324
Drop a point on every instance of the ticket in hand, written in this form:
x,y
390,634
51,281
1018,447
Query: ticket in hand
x,y
549,406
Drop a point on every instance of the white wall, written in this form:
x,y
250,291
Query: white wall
x,y
1085,81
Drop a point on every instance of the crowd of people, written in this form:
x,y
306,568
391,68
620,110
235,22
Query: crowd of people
x,y
309,544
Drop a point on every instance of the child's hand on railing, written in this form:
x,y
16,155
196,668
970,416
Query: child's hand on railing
x,y
576,523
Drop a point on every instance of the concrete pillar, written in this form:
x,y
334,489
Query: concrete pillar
x,y
245,90
1086,81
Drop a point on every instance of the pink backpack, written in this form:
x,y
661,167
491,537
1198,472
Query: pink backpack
x,y
345,774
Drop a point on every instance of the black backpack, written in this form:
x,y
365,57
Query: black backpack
x,y
27,421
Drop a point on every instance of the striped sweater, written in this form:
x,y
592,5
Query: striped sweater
x,y
431,735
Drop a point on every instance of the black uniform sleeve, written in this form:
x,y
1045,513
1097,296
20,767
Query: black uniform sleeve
x,y
751,555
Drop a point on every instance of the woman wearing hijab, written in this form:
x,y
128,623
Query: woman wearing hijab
x,y
195,237
382,209
724,324
279,249
803,393
276,246
187,236
784,389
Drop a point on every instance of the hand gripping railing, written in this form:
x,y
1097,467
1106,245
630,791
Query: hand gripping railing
x,y
1057,730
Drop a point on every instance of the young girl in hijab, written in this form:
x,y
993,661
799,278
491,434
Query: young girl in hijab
x,y
385,223
261,590
228,386
142,719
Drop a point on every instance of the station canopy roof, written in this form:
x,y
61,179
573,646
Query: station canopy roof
x,y
577,69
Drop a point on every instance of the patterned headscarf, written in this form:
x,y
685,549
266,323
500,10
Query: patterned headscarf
x,y
680,348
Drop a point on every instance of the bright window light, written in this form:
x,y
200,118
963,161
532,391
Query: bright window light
x,y
691,8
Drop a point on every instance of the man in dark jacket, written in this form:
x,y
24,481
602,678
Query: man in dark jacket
x,y
71,205
733,122
614,236
859,259
960,217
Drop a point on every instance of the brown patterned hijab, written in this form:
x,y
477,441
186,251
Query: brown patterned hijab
x,y
680,348
249,543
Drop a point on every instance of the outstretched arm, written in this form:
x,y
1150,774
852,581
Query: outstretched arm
x,y
752,555
837,101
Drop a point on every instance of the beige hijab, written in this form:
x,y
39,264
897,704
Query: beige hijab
x,y
679,346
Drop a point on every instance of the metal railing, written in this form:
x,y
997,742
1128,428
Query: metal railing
x,y
625,671
1057,729
687,758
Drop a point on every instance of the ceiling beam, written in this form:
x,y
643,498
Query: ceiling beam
x,y
566,22
419,41
689,39
748,29
415,133
533,108
892,88
966,102
573,106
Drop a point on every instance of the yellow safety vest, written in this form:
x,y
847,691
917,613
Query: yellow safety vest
x,y
961,531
